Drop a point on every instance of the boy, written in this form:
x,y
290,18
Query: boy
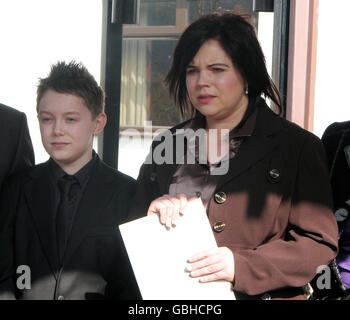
x,y
58,225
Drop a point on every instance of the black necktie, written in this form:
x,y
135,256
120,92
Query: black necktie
x,y
64,209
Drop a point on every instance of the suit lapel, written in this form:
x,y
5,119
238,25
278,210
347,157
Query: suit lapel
x,y
263,140
39,201
96,198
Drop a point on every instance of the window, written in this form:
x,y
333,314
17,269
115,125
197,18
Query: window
x,y
200,7
143,94
158,13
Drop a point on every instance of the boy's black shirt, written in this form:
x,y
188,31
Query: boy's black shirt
x,y
77,190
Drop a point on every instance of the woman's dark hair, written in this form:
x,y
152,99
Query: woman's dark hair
x,y
238,38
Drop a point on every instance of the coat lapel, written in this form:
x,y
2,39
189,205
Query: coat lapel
x,y
264,139
164,172
39,201
164,175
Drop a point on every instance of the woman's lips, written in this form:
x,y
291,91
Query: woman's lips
x,y
205,99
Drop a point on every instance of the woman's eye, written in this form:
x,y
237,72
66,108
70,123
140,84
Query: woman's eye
x,y
191,71
218,69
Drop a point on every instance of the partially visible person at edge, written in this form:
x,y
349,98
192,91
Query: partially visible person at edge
x,y
271,212
16,147
336,140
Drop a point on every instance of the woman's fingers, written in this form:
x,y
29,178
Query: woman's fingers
x,y
169,208
213,264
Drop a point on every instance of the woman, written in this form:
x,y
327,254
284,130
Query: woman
x,y
271,209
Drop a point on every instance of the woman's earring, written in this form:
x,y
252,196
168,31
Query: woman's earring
x,y
246,90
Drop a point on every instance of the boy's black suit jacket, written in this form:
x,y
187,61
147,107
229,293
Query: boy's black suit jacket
x,y
95,263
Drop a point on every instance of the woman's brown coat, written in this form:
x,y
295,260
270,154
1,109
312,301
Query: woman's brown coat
x,y
277,214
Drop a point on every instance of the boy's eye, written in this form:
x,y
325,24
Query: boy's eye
x,y
45,119
71,119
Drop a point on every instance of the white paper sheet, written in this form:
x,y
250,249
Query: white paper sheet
x,y
159,256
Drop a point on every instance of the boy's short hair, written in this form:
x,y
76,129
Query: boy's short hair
x,y
73,78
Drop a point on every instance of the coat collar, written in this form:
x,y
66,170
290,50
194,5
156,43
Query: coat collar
x,y
263,140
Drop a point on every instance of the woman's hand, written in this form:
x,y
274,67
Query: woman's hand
x,y
209,265
169,208
212,264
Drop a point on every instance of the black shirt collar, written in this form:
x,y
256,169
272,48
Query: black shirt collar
x,y
82,175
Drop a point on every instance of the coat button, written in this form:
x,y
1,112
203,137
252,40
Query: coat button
x,y
341,214
153,177
220,197
60,298
265,296
274,174
219,226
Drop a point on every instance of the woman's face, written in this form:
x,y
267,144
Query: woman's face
x,y
215,87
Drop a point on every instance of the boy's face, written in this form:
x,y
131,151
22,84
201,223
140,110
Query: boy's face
x,y
67,129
